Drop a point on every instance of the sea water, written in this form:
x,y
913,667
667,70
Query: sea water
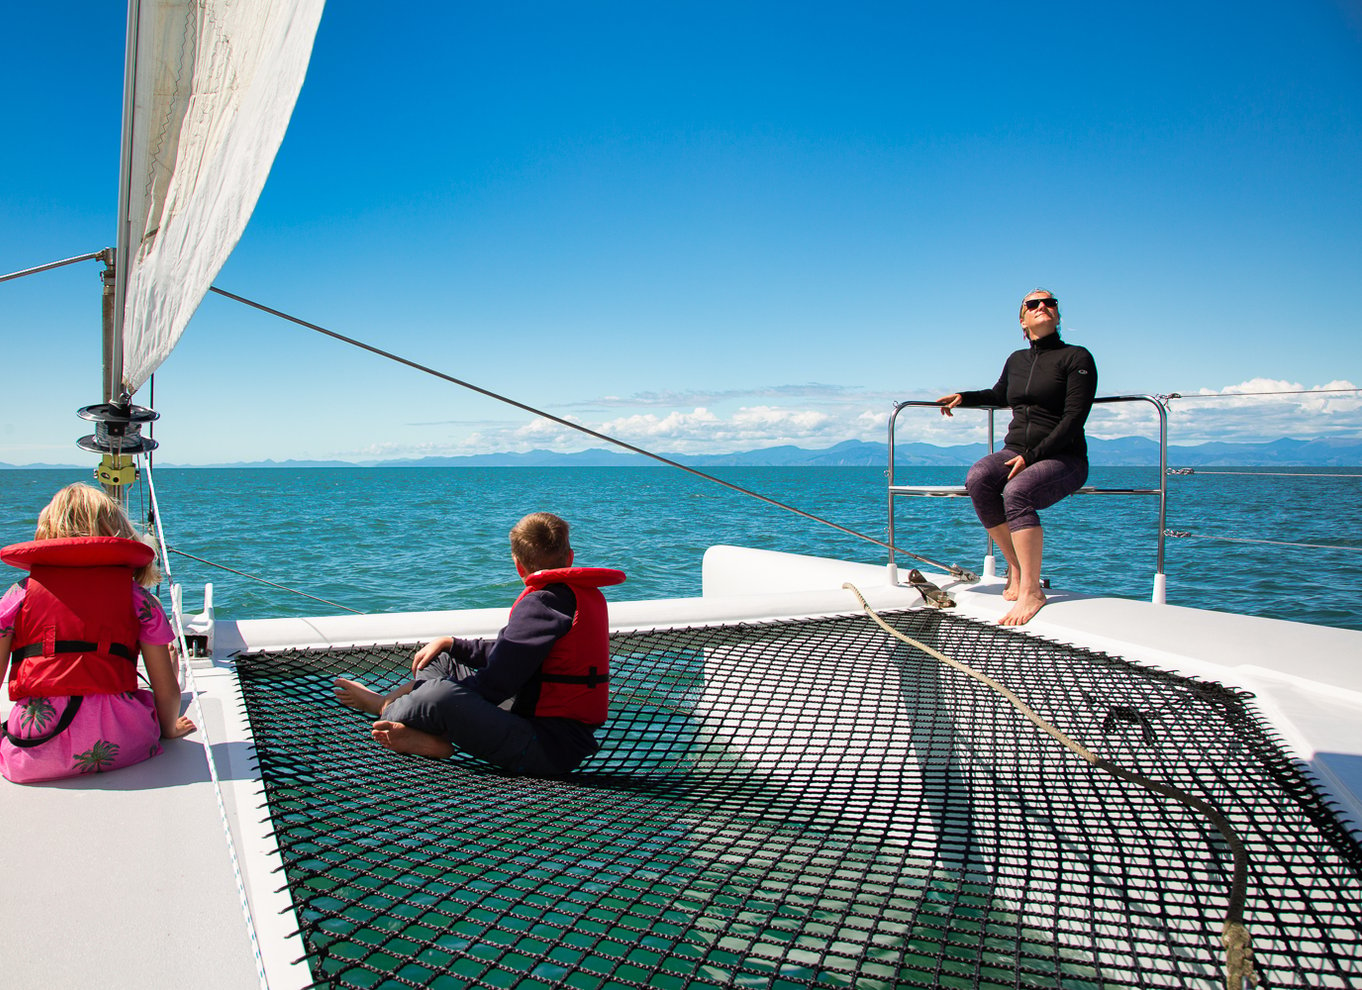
x,y
414,539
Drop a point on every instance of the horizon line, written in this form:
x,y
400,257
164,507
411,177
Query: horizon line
x,y
643,459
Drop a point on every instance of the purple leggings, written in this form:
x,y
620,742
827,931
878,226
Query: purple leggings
x,y
1017,502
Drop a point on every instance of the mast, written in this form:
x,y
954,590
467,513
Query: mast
x,y
117,421
208,89
116,296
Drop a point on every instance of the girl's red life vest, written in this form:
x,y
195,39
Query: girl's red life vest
x,y
77,630
574,679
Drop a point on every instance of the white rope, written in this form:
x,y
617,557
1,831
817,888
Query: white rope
x,y
1059,736
201,720
1239,968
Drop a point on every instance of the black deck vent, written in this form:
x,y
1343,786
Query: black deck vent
x,y
810,804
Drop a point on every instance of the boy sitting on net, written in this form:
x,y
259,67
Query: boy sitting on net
x,y
552,658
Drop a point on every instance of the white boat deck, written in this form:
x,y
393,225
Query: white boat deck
x,y
125,879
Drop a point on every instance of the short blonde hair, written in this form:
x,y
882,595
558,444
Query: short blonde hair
x,y
82,510
1021,309
540,542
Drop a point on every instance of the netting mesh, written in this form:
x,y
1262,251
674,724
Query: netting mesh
x,y
809,804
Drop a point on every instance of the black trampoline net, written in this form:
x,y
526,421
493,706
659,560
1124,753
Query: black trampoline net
x,y
810,804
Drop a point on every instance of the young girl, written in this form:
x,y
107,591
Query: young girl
x,y
71,632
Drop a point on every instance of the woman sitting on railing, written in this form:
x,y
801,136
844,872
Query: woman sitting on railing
x,y
1049,386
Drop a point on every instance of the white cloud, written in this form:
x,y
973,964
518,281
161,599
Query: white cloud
x,y
702,430
1264,409
772,419
1239,412
539,431
708,397
642,426
392,449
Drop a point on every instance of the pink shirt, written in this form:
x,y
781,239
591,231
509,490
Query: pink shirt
x,y
156,629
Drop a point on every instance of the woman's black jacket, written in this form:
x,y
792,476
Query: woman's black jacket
x,y
1050,387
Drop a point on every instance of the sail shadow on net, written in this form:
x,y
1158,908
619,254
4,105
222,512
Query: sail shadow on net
x,y
809,804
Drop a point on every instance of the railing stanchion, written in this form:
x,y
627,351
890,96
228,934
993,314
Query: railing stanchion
x,y
893,570
990,559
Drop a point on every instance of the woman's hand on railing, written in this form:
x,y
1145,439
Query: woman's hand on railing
x,y
949,402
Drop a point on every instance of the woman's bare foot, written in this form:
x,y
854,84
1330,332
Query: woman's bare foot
x,y
1012,588
355,695
1027,606
402,739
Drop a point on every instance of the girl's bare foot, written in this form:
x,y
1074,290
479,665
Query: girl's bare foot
x,y
357,696
1027,606
402,739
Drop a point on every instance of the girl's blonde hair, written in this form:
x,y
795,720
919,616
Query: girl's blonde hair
x,y
81,510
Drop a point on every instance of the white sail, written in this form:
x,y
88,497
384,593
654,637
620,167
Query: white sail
x,y
211,86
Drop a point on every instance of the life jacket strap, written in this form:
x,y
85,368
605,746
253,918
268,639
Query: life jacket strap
x,y
73,646
591,679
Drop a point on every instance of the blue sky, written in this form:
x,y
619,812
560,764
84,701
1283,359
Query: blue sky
x,y
709,227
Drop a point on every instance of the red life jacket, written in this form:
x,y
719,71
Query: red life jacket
x,y
574,677
77,630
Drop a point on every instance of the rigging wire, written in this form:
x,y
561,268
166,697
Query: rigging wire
x,y
954,570
55,264
253,577
1240,395
1263,474
1179,534
153,517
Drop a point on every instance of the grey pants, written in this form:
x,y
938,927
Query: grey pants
x,y
440,706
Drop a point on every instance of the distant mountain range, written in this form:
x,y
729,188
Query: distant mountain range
x,y
1125,452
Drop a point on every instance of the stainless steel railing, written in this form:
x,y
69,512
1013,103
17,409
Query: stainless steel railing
x,y
896,491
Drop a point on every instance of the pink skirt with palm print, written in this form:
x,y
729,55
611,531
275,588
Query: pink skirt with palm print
x,y
105,732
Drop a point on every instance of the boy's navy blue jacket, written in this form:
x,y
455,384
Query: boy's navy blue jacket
x,y
504,666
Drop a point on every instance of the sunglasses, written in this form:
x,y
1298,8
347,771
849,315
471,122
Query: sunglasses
x,y
1051,303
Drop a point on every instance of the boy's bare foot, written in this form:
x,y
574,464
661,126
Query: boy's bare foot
x,y
357,696
402,739
1027,606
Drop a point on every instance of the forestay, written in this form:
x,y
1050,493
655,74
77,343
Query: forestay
x,y
209,91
